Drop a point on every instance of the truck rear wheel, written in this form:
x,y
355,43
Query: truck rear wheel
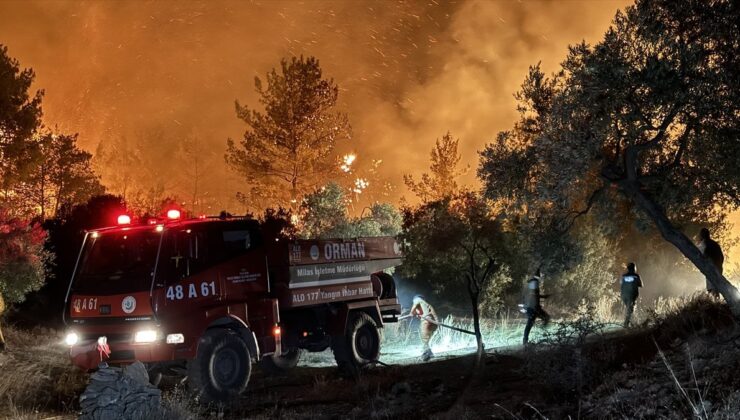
x,y
360,346
221,369
278,364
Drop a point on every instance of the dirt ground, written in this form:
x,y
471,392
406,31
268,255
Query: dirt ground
x,y
680,366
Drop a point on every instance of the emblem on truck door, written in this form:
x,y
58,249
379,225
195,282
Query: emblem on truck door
x,y
128,304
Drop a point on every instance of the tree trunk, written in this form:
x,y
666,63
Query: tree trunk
x,y
474,297
684,244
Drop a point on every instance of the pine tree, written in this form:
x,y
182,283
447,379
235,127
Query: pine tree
x,y
440,182
289,149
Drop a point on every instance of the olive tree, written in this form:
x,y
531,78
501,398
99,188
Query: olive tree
x,y
648,118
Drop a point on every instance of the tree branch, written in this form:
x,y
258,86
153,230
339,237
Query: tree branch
x,y
589,204
683,142
631,153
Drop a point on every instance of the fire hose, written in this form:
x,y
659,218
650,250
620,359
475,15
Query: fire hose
x,y
434,321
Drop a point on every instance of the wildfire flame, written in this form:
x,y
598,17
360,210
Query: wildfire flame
x,y
360,185
347,161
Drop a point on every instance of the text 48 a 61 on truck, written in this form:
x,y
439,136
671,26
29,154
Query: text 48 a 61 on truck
x,y
210,296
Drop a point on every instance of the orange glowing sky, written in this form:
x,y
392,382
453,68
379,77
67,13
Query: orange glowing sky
x,y
408,71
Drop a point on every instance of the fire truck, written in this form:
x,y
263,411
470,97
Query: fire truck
x,y
210,296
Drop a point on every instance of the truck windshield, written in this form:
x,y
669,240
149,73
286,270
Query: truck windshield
x,y
117,262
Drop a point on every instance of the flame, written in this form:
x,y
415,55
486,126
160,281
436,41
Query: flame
x,y
347,161
360,185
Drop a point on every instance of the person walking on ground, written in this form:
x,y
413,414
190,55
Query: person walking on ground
x,y
532,305
631,283
711,249
425,312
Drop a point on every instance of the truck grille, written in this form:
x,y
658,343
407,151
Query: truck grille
x,y
112,338
121,356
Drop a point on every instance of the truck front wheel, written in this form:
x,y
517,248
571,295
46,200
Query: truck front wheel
x,y
221,369
360,346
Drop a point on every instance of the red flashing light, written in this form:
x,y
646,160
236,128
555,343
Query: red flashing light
x,y
124,219
173,214
276,330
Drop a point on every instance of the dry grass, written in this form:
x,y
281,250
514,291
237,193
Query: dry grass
x,y
37,375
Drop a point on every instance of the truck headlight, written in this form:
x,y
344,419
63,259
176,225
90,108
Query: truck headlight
x,y
71,339
145,336
175,338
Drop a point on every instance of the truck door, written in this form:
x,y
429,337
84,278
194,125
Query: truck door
x,y
183,271
238,255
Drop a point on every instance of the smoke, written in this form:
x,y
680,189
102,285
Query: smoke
x,y
409,71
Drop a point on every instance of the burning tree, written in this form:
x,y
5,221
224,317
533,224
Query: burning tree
x,y
288,151
452,242
648,118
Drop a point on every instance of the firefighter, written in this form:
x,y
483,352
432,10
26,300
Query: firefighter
x,y
532,306
711,249
631,283
421,309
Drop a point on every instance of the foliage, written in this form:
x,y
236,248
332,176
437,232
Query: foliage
x,y
22,257
20,117
493,294
323,214
288,150
454,242
63,176
648,119
590,273
440,182
385,219
324,211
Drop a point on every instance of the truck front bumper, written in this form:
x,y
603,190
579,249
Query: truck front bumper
x,y
87,355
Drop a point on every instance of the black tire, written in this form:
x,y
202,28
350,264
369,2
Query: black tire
x,y
221,369
359,347
276,365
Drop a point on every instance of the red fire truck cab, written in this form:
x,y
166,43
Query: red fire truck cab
x,y
209,296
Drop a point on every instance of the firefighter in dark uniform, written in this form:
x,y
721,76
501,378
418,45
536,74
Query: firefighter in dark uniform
x,y
711,249
631,283
532,306
421,309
